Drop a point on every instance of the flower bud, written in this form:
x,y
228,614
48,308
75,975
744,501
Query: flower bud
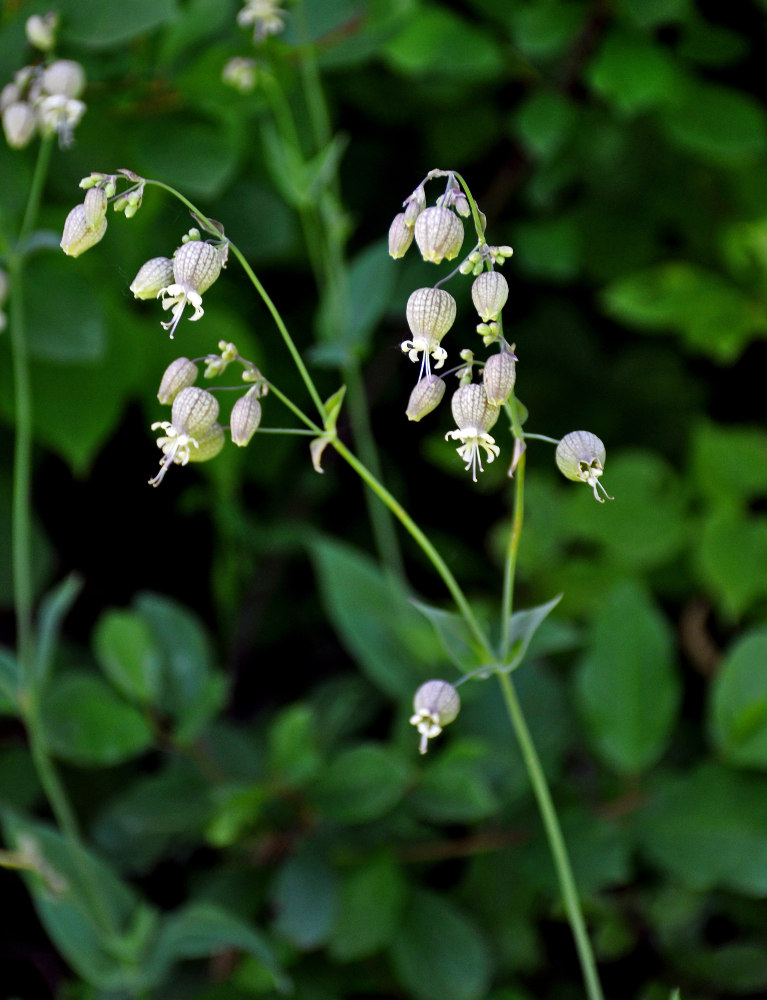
x,y
95,204
400,237
179,374
19,124
195,410
157,273
245,418
499,376
439,234
64,77
489,292
425,397
78,236
436,704
41,31
580,456
196,265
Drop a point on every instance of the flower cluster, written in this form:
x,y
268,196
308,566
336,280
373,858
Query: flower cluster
x,y
86,223
43,98
438,231
193,433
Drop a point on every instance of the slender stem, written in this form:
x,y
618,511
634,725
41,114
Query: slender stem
x,y
515,532
37,185
426,546
555,838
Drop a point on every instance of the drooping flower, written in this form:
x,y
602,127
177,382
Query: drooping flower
x,y
196,265
499,376
192,434
436,704
400,236
474,415
425,397
430,313
580,456
179,374
245,418
439,234
266,16
82,230
152,277
489,292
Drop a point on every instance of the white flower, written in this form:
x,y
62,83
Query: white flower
x,y
474,416
436,704
192,425
580,456
430,313
196,265
266,16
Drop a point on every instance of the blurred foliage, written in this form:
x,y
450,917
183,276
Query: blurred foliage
x,y
229,703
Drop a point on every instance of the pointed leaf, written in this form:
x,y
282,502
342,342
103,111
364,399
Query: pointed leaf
x,y
522,627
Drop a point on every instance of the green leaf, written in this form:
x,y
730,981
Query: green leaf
x,y
457,640
362,930
305,897
362,784
633,72
66,318
10,680
53,610
191,691
370,285
436,42
717,123
106,23
375,619
728,464
544,31
438,953
456,786
713,315
126,651
731,554
522,627
709,829
544,122
626,684
87,723
738,706
293,754
95,921
201,930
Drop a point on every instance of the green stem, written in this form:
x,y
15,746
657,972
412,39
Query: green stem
x,y
515,532
426,546
555,838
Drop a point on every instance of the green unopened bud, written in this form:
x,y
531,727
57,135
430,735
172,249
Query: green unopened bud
x,y
439,234
489,292
425,397
400,236
179,374
157,273
78,236
580,456
436,704
245,418
499,376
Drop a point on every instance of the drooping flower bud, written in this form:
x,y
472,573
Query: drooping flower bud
x,y
400,237
64,77
499,376
425,397
95,204
430,313
580,456
78,236
489,292
436,704
474,415
414,204
179,374
156,274
439,234
19,124
245,418
41,31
